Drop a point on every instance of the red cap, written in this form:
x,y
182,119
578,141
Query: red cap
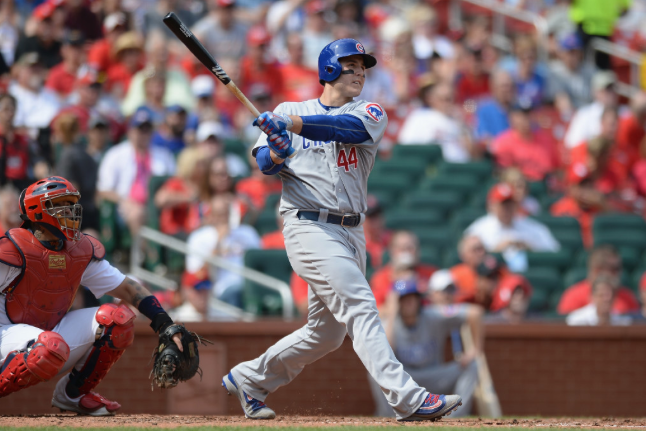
x,y
225,3
578,172
507,286
258,35
500,192
44,11
316,6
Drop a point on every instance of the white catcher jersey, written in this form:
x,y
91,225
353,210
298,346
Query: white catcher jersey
x,y
329,175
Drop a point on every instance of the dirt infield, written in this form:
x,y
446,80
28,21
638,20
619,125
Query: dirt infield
x,y
172,422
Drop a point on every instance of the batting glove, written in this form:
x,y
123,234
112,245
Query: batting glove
x,y
281,144
273,123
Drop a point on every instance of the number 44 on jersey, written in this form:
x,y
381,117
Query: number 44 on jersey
x,y
349,160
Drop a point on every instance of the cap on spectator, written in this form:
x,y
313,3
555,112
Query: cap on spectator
x,y
97,121
441,280
258,35
141,117
126,41
571,41
29,59
500,192
88,77
490,267
176,109
208,129
603,79
577,173
202,86
74,38
405,287
226,3
373,206
508,286
44,11
114,20
316,6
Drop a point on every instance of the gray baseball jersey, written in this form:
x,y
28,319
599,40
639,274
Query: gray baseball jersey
x,y
424,344
329,175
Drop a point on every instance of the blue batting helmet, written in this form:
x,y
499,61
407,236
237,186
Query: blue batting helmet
x,y
329,66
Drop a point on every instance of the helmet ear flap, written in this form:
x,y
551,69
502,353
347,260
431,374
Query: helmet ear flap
x,y
21,200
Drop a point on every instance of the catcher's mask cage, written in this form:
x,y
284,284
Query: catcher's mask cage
x,y
39,203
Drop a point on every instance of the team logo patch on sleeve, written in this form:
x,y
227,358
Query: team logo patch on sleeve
x,y
359,47
375,111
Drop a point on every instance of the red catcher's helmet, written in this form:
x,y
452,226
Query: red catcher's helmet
x,y
39,204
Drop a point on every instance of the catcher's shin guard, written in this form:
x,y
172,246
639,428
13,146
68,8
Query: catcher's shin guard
x,y
118,334
40,361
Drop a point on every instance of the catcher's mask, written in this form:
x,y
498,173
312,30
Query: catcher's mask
x,y
53,202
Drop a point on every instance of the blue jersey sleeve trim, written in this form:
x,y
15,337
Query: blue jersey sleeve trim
x,y
265,162
345,128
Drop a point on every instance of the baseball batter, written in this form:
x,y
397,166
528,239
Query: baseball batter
x,y
335,139
42,265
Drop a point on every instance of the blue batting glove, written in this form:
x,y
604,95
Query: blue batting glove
x,y
281,144
273,123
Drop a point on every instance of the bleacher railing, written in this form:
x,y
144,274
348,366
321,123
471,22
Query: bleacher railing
x,y
635,58
154,236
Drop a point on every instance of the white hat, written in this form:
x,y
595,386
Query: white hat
x,y
440,280
207,129
113,20
202,85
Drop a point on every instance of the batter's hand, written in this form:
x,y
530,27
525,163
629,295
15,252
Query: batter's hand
x,y
280,144
273,123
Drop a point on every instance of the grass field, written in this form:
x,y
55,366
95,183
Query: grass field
x,y
67,422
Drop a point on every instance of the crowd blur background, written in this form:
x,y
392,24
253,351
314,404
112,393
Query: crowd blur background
x,y
511,174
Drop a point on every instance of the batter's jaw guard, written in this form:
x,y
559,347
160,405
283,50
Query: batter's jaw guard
x,y
37,205
40,361
329,66
118,334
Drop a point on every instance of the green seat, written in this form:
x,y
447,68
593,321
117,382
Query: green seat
x,y
537,189
539,301
574,275
565,229
463,218
108,225
440,201
239,148
548,200
408,166
394,185
266,222
431,154
545,279
439,237
402,219
559,260
620,238
481,169
622,221
431,256
463,184
154,251
271,201
451,258
256,298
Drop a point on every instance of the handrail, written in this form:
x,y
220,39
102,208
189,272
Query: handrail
x,y
636,59
177,245
498,26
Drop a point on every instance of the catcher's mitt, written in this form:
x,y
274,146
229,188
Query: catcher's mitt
x,y
171,365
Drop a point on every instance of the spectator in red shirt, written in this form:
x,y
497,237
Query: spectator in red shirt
x,y
603,260
257,187
101,56
404,258
9,211
14,147
471,253
472,81
631,133
300,82
583,201
511,299
377,236
256,69
62,77
524,148
274,239
129,59
597,155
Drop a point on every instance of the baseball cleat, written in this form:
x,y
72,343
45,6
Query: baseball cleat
x,y
253,408
434,407
92,404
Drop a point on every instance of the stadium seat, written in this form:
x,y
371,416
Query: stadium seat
x,y
431,256
539,301
463,184
266,222
619,238
559,261
441,201
545,279
565,229
481,169
412,167
622,221
574,275
463,218
450,258
431,154
403,219
388,187
260,300
271,201
439,237
155,253
537,189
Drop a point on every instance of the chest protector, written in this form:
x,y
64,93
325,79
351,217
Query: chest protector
x,y
45,289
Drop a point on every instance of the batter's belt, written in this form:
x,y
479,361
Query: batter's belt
x,y
348,220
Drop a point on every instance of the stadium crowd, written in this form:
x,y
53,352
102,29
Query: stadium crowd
x,y
101,93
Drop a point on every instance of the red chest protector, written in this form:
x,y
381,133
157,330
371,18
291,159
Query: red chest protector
x,y
45,289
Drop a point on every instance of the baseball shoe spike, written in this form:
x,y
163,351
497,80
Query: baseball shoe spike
x,y
434,407
253,408
92,404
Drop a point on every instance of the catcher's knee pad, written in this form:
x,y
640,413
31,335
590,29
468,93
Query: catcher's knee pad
x,y
118,334
40,361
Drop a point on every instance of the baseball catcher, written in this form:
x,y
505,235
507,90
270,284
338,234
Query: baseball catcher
x,y
42,265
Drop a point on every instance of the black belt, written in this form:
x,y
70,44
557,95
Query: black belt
x,y
347,220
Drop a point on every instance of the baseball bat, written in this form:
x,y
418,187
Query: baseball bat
x,y
189,40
